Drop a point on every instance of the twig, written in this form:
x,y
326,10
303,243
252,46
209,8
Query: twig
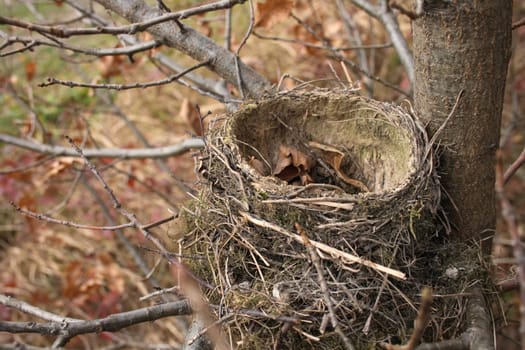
x,y
349,258
44,217
193,44
514,167
316,261
322,47
132,219
138,153
421,322
27,167
33,310
31,42
444,124
518,23
241,45
168,80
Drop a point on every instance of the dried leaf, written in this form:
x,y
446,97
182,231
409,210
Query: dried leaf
x,y
258,165
271,12
334,158
292,163
30,69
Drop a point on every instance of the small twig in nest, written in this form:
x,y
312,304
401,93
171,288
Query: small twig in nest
x,y
324,287
349,258
423,317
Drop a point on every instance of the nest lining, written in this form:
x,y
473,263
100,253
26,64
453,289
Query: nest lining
x,y
248,217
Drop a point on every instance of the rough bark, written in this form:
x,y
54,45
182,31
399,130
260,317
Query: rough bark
x,y
464,45
192,43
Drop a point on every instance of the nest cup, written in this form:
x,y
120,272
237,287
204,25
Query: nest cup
x,y
314,207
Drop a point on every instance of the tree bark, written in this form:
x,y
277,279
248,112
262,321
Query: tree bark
x,y
464,45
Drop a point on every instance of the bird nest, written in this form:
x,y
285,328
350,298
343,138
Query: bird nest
x,y
314,220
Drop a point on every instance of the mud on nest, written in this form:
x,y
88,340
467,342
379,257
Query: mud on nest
x,y
355,178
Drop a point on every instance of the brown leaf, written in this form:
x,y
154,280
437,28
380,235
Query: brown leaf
x,y
271,12
334,158
292,163
30,69
257,165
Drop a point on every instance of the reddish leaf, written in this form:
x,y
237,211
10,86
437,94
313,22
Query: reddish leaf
x,y
30,69
271,12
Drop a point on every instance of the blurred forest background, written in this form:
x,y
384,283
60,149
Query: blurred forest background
x,y
91,273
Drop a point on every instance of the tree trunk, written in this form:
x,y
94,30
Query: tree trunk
x,y
464,46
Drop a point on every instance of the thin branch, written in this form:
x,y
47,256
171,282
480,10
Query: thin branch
x,y
33,310
316,261
518,23
47,218
514,167
322,47
384,13
30,42
420,324
133,219
170,79
137,153
27,167
367,6
64,32
389,20
192,43
344,256
241,45
413,15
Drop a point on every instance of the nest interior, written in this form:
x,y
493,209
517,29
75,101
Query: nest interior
x,y
317,209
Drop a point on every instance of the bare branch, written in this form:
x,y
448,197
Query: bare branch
x,y
186,273
168,80
63,32
30,42
518,24
389,20
192,43
384,13
44,217
514,167
316,261
69,328
316,46
138,153
33,310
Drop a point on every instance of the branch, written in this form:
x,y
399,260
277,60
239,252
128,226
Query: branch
x,y
170,79
71,328
33,310
518,24
514,167
44,217
389,20
192,43
137,153
30,42
63,32
384,13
